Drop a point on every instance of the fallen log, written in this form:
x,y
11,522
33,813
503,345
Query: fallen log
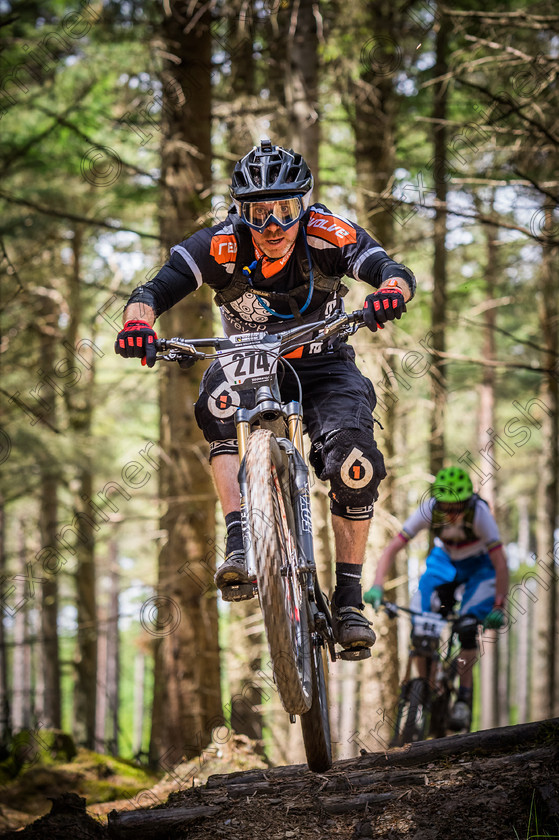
x,y
144,825
353,780
481,743
275,773
340,782
347,804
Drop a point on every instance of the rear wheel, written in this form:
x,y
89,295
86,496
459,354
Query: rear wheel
x,y
271,526
316,722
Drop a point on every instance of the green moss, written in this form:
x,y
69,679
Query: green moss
x,y
107,791
104,766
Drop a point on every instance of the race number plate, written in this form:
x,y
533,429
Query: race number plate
x,y
429,624
250,360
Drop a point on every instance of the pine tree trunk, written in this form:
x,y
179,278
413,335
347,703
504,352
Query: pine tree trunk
x,y
5,725
50,711
187,697
238,22
139,703
101,698
113,650
546,691
301,82
489,664
80,402
374,129
86,656
276,35
21,704
438,303
50,659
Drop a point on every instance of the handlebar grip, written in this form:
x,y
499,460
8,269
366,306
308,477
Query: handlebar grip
x,y
391,608
358,316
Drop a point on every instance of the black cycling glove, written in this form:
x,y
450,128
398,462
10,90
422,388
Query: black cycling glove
x,y
136,340
386,304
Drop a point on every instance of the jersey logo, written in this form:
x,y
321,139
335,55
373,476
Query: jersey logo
x,y
331,229
223,248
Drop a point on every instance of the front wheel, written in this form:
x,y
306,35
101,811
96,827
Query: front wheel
x,y
415,712
271,526
439,714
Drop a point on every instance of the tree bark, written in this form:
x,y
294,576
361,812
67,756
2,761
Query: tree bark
x,y
80,401
239,20
5,724
374,121
48,699
187,697
113,649
21,704
546,691
301,82
101,699
139,703
439,300
489,664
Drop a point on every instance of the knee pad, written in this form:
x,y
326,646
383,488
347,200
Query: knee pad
x,y
466,628
355,467
215,407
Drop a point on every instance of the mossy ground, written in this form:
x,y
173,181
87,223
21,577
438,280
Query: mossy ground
x,y
97,778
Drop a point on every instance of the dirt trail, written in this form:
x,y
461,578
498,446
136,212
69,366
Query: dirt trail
x,y
501,783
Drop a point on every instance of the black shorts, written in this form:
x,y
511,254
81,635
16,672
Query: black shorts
x,y
335,395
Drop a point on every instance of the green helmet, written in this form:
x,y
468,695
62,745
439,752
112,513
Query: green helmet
x,y
452,484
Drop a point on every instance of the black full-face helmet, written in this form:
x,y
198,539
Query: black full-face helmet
x,y
271,173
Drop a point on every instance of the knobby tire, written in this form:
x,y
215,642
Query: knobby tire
x,y
271,526
439,714
416,725
316,722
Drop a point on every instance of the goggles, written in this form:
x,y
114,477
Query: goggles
x,y
284,212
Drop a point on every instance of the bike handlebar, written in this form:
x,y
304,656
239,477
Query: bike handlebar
x,y
393,609
327,328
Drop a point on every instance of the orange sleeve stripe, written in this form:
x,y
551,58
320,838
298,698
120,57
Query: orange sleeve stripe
x,y
332,229
223,248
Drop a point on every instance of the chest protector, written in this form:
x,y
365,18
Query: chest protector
x,y
239,285
439,521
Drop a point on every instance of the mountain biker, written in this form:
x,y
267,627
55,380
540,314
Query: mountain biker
x,y
275,262
467,553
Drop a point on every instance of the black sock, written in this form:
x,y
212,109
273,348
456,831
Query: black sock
x,y
348,585
234,540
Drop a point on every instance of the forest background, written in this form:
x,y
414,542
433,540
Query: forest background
x,y
435,127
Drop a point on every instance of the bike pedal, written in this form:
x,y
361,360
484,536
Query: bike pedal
x,y
238,592
354,653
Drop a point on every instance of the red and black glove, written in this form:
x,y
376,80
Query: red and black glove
x,y
136,340
386,304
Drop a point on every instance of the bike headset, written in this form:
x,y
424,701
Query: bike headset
x,y
272,174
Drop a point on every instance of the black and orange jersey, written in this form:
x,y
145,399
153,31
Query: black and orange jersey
x,y
334,246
